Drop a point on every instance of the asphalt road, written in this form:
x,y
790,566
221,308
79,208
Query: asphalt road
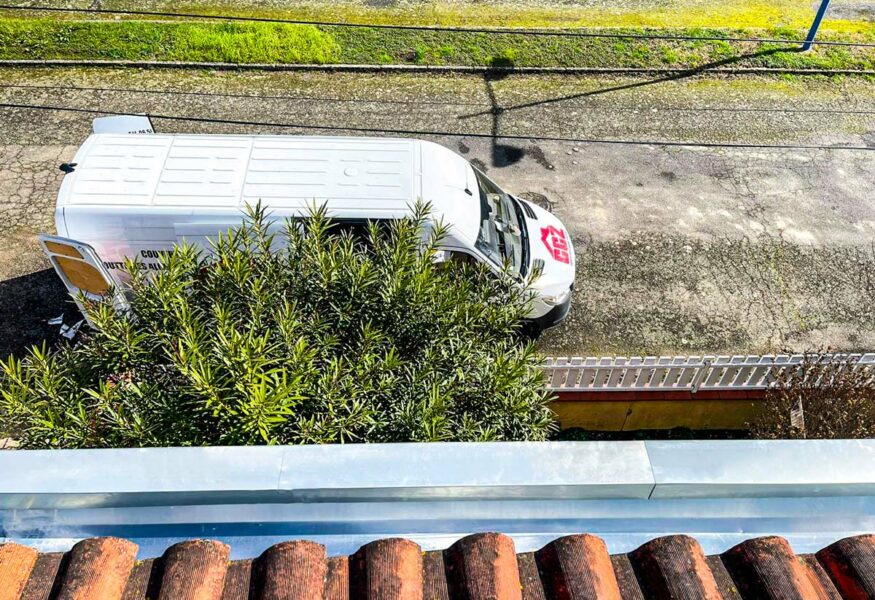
x,y
682,249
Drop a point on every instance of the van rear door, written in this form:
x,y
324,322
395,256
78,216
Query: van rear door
x,y
123,124
81,270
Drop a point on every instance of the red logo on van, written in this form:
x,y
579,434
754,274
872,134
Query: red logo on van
x,y
556,243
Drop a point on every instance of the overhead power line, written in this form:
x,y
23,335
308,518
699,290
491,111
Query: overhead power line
x,y
436,28
426,102
422,132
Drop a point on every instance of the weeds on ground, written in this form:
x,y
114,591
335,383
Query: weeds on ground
x,y
823,399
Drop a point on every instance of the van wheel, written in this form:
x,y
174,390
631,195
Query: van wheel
x,y
530,332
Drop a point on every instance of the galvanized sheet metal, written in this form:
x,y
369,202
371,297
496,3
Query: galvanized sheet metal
x,y
811,492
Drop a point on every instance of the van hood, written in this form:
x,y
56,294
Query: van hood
x,y
448,184
550,242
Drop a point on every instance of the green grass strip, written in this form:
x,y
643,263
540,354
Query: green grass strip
x,y
173,41
296,44
727,14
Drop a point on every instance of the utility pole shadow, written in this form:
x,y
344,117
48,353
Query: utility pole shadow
x,y
497,111
502,155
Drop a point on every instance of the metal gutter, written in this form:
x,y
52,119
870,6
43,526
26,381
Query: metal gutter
x,y
811,492
761,469
340,473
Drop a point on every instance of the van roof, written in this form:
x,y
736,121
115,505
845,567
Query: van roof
x,y
356,177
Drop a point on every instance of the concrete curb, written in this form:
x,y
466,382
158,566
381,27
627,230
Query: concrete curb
x,y
358,68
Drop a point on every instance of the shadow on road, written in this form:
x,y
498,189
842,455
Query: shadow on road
x,y
26,304
497,111
502,155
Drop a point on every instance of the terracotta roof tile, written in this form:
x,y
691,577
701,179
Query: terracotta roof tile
x,y
531,586
16,563
675,567
291,570
851,565
337,579
483,566
145,580
820,577
434,579
194,570
577,567
238,581
724,581
43,578
389,569
626,579
98,569
478,567
767,568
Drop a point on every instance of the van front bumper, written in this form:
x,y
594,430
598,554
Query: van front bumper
x,y
552,318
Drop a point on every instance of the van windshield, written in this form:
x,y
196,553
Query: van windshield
x,y
502,230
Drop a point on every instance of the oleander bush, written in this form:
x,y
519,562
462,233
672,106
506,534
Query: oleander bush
x,y
823,399
310,333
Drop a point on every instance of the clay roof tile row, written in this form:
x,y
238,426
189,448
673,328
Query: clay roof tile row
x,y
478,567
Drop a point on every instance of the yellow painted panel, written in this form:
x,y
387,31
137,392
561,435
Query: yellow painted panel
x,y
695,414
83,276
655,414
596,416
62,249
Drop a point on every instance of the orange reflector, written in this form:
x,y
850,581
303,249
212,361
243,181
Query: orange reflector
x,y
82,275
62,249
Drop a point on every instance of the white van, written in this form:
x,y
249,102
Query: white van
x,y
135,195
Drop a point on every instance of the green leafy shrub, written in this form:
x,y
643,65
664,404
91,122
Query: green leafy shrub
x,y
301,335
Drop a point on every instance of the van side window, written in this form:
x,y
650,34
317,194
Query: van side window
x,y
357,228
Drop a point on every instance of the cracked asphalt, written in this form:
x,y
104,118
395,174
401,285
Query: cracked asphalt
x,y
684,250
